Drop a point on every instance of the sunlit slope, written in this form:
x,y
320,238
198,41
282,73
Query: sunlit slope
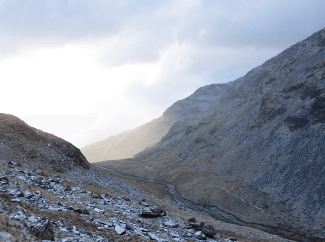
x,y
125,145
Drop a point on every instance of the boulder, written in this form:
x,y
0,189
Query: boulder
x,y
44,230
152,212
208,230
199,235
119,229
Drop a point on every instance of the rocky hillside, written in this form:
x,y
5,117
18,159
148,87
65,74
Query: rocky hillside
x,y
21,142
260,146
127,144
49,192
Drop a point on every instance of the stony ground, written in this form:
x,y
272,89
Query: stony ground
x,y
88,205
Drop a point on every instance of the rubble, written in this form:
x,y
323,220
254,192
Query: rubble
x,y
49,208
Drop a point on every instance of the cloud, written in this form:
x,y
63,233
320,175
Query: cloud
x,y
130,31
129,60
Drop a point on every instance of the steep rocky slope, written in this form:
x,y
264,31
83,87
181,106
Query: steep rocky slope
x,y
49,192
261,146
127,144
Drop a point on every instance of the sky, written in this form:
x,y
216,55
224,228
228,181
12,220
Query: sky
x,y
85,70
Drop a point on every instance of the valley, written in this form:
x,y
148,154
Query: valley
x,y
251,149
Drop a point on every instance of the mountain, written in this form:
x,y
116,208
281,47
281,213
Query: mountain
x,y
127,144
256,154
49,192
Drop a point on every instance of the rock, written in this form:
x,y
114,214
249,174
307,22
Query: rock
x,y
99,210
153,237
208,230
232,239
130,226
109,224
81,211
12,163
44,230
19,215
22,177
197,226
126,199
152,212
199,235
16,200
171,224
28,195
144,203
94,195
192,220
32,221
119,229
4,180
15,193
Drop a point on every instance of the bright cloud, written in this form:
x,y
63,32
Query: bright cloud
x,y
91,69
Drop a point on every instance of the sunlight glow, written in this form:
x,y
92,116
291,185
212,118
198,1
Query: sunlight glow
x,y
66,81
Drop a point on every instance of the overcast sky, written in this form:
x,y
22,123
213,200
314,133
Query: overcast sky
x,y
88,69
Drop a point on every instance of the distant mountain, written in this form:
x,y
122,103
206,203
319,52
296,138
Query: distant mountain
x,y
255,150
127,144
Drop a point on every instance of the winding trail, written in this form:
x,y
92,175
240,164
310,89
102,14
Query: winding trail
x,y
173,192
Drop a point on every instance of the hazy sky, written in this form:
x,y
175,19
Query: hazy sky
x,y
88,69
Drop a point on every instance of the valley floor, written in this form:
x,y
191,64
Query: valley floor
x,y
89,205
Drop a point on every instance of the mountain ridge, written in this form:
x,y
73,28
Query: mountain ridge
x,y
264,134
